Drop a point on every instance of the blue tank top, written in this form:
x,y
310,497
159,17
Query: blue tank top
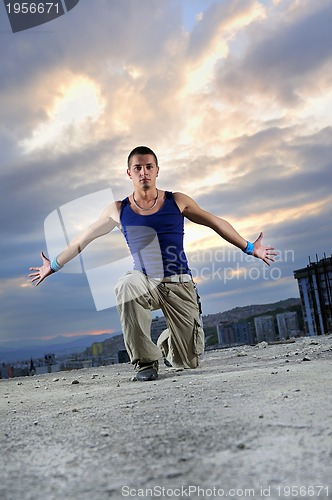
x,y
156,240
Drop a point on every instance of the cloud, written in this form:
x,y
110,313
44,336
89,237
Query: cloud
x,y
220,21
237,109
285,63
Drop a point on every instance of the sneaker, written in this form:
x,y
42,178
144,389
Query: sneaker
x,y
147,371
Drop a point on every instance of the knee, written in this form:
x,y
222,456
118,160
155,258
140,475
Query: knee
x,y
130,286
123,290
124,282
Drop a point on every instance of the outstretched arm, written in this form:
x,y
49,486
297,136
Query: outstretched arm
x,y
107,221
192,211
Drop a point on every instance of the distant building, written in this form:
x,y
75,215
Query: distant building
x,y
42,369
315,287
6,371
235,333
158,325
105,352
123,356
288,325
49,365
77,363
97,349
265,329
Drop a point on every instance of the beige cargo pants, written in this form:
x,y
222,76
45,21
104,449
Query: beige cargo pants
x,y
183,341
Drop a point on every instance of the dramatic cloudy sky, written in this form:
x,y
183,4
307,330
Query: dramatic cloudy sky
x,y
235,96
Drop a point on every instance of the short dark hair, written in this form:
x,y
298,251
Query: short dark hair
x,y
142,150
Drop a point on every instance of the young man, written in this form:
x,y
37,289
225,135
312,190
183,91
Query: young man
x,y
152,222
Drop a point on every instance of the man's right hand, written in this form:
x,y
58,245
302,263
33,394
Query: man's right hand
x,y
41,272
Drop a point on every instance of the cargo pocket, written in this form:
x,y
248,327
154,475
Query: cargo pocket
x,y
198,338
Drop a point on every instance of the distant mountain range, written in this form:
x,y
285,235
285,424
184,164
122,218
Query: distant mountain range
x,y
248,312
34,348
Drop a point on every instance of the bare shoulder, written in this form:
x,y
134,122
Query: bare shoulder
x,y
183,201
112,211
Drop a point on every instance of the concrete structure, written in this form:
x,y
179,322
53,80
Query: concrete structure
x,y
288,325
315,287
229,427
265,329
235,333
56,367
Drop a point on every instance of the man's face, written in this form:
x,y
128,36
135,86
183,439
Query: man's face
x,y
143,171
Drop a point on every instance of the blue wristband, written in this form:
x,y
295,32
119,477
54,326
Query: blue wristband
x,y
55,266
249,250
